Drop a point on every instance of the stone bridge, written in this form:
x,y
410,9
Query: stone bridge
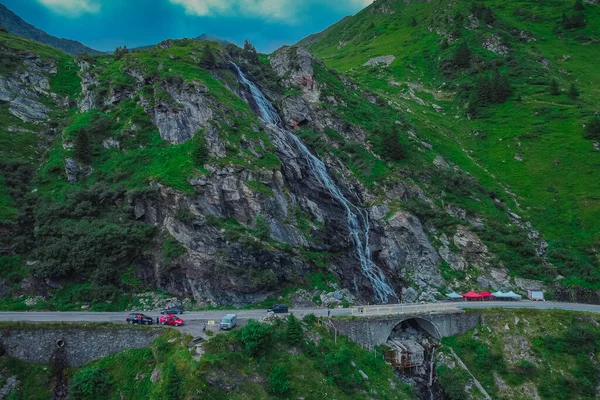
x,y
375,330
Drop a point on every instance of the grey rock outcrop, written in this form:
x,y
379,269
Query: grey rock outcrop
x,y
28,110
184,114
87,101
406,248
383,60
494,44
23,88
474,251
75,172
295,66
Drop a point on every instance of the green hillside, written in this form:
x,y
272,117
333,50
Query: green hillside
x,y
533,143
257,361
526,354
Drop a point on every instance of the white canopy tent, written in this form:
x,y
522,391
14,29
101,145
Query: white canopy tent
x,y
454,296
506,296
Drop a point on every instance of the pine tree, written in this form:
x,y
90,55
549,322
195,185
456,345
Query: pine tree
x,y
120,52
554,89
413,22
573,92
488,16
390,144
462,58
294,332
82,147
579,5
472,107
263,230
501,89
592,131
484,92
249,52
200,152
208,57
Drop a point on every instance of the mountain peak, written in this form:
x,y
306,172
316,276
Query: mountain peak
x,y
212,38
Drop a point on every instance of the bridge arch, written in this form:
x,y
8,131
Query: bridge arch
x,y
425,324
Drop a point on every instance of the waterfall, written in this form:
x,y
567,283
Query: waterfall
x,y
357,218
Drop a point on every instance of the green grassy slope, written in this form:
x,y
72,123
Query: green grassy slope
x,y
556,181
518,354
258,361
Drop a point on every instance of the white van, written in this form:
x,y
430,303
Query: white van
x,y
229,322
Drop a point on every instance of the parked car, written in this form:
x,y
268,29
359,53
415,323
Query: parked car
x,y
278,308
172,310
228,322
139,318
171,319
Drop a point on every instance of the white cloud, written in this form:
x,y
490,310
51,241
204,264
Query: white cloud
x,y
291,11
71,8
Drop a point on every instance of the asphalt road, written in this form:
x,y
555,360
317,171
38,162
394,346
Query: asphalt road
x,y
34,316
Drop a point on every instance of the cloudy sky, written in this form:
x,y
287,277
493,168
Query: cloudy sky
x,y
105,24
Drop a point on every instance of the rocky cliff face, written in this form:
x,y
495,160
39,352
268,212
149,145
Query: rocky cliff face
x,y
227,262
250,217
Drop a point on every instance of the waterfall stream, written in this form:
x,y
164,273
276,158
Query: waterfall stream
x,y
357,218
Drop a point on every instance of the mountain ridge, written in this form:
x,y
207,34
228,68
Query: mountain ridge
x,y
16,25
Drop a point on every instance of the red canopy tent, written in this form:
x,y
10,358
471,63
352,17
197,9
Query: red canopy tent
x,y
472,296
486,295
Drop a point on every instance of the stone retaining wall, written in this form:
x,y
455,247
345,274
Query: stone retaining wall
x,y
82,344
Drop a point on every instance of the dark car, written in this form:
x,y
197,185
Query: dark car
x,y
139,318
172,310
278,308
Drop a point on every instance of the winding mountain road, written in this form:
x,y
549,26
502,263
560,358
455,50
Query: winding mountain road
x,y
34,316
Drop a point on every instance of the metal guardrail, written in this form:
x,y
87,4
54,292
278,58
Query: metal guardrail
x,y
364,311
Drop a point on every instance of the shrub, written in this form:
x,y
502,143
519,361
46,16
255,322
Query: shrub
x,y
337,364
263,230
462,57
200,152
294,332
90,383
524,367
453,382
120,52
90,235
208,57
574,21
309,319
279,381
573,92
256,337
173,381
554,88
3,29
172,249
592,131
82,147
391,148
249,52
